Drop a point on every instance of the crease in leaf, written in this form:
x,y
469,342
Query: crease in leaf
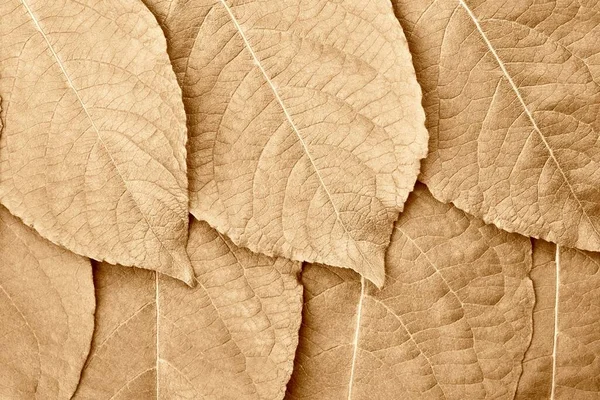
x,y
93,154
301,145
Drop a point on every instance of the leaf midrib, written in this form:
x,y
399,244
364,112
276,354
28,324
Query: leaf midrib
x,y
555,335
356,336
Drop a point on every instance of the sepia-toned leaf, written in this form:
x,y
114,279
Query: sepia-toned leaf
x,y
305,122
563,360
512,96
93,149
452,322
46,314
233,336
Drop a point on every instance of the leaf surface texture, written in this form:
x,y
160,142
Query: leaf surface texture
x,y
233,336
46,312
305,122
563,360
512,96
452,321
93,149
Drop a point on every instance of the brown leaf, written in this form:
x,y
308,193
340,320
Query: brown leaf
x,y
512,97
453,320
306,127
93,149
563,361
231,337
46,313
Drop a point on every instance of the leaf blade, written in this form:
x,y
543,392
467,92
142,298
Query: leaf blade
x,y
44,344
513,136
105,148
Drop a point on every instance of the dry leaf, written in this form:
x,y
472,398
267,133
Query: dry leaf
x,y
513,107
231,337
306,127
93,149
46,313
453,320
563,361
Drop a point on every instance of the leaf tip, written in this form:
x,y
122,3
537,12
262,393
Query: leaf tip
x,y
377,279
189,278
182,268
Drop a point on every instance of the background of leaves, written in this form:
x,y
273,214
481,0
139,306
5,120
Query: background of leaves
x,y
256,164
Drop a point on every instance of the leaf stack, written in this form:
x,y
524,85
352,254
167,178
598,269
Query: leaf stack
x,y
299,199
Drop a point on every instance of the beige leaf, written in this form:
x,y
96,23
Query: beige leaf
x,y
46,314
563,361
306,125
512,98
231,337
452,322
93,149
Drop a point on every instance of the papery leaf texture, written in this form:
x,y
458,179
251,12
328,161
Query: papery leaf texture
x,y
512,96
93,149
563,360
452,321
305,122
46,314
233,336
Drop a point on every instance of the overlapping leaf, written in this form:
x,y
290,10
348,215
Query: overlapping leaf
x,y
563,361
452,322
306,133
231,337
306,127
512,98
93,149
46,314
